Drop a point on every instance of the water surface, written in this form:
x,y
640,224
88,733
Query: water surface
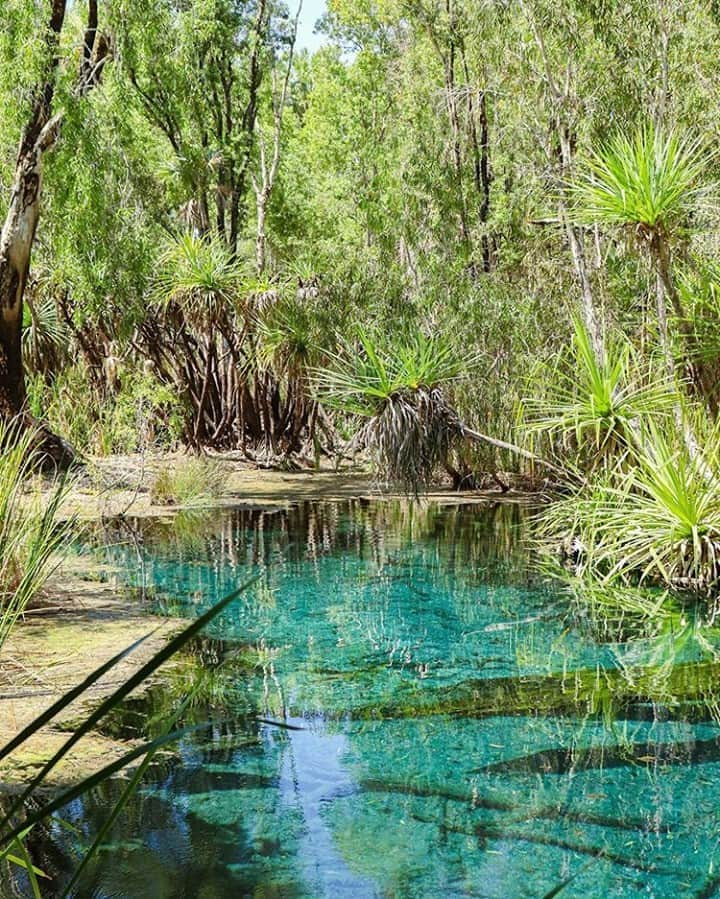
x,y
402,707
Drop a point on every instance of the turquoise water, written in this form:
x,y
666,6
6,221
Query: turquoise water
x,y
403,707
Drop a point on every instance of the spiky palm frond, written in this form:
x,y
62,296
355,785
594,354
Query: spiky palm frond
x,y
44,336
599,401
199,274
411,425
363,378
288,339
651,179
41,323
655,522
676,514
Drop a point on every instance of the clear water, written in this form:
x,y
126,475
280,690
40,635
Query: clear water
x,y
402,708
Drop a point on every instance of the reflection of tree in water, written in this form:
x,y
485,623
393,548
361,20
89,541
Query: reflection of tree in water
x,y
521,740
480,539
203,824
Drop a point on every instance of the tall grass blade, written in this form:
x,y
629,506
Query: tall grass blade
x,y
69,697
127,687
88,783
125,796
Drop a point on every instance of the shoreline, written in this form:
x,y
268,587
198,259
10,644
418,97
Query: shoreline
x,y
81,619
115,486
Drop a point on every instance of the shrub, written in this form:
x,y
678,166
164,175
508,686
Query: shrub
x,y
194,481
30,535
144,412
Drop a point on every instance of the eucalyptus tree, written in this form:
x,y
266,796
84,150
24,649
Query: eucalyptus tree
x,y
40,132
269,160
196,71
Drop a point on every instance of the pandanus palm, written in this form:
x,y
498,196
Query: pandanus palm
x,y
198,284
199,275
599,403
401,390
289,342
650,182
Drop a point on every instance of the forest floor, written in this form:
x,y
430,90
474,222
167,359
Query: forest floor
x,y
82,619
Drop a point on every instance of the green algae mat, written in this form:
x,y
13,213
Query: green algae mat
x,y
403,707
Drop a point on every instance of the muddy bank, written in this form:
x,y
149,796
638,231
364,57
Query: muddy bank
x,y
78,623
122,485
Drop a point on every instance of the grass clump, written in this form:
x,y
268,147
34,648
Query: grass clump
x,y
195,481
31,535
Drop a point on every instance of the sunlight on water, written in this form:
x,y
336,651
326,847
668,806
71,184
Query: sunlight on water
x,y
401,707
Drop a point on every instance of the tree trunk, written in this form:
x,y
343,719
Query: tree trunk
x,y
261,237
18,232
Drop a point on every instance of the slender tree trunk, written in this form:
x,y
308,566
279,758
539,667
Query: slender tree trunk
x,y
577,251
18,232
664,290
261,238
480,144
249,116
455,125
15,245
266,181
560,98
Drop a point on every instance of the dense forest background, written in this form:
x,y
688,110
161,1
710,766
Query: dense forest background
x,y
221,214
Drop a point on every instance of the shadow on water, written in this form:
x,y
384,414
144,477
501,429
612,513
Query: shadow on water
x,y
403,707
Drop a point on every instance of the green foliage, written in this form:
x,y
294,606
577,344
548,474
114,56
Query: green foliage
x,y
192,482
410,427
656,521
143,414
289,337
700,297
652,179
44,336
198,274
599,403
31,536
364,377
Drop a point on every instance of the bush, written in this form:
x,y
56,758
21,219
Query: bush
x,y
30,535
143,413
193,482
